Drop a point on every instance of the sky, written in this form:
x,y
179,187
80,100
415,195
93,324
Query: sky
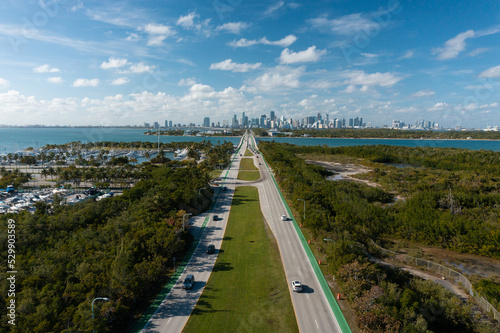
x,y
76,62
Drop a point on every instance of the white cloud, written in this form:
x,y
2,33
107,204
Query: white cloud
x,y
309,55
423,93
55,79
232,27
3,83
119,81
86,83
191,22
187,21
141,68
158,33
491,72
284,42
279,79
271,9
187,82
132,37
45,69
369,55
229,65
478,51
159,29
454,46
114,63
408,55
359,77
439,106
345,25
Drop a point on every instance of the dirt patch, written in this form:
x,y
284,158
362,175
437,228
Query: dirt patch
x,y
467,264
345,171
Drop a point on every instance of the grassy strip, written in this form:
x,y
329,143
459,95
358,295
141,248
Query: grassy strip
x,y
248,153
248,170
247,164
247,291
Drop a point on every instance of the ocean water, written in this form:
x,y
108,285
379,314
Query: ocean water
x,y
334,142
15,139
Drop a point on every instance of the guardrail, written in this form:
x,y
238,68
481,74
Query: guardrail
x,y
445,272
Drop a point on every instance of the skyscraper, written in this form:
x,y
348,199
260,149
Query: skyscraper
x,y
273,116
206,122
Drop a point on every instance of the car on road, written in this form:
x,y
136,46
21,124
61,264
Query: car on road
x,y
296,286
215,217
284,218
224,188
188,282
210,249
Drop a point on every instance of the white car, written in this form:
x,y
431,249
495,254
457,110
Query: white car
x,y
284,218
296,286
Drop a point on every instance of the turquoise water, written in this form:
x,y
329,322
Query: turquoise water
x,y
467,144
15,139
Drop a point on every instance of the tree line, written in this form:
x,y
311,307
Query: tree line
x,y
387,300
122,248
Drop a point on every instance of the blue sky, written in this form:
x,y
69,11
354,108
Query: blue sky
x,y
75,62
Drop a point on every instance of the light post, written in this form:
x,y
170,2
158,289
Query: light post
x,y
97,298
199,193
184,223
304,208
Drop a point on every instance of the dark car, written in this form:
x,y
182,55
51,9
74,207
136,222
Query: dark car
x,y
211,249
215,217
188,282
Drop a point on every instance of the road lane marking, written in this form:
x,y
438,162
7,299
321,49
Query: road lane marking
x,y
316,323
168,321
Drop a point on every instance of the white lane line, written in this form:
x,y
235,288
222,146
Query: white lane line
x,y
316,323
168,321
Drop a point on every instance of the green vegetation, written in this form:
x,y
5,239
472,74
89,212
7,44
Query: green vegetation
x,y
120,248
247,290
490,290
248,153
248,170
384,299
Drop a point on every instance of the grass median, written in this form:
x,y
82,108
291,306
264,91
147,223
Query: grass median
x,y
247,290
248,170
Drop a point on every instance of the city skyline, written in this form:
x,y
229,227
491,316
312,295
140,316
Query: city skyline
x,y
69,62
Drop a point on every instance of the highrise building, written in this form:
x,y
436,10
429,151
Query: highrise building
x,y
206,122
273,116
170,123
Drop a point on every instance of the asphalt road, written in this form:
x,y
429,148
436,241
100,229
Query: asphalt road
x,y
312,310
173,313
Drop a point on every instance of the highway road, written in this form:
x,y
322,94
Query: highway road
x,y
312,308
174,311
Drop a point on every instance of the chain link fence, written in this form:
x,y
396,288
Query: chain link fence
x,y
446,272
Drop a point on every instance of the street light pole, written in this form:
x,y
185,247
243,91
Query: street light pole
x,y
304,208
184,223
97,298
199,193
